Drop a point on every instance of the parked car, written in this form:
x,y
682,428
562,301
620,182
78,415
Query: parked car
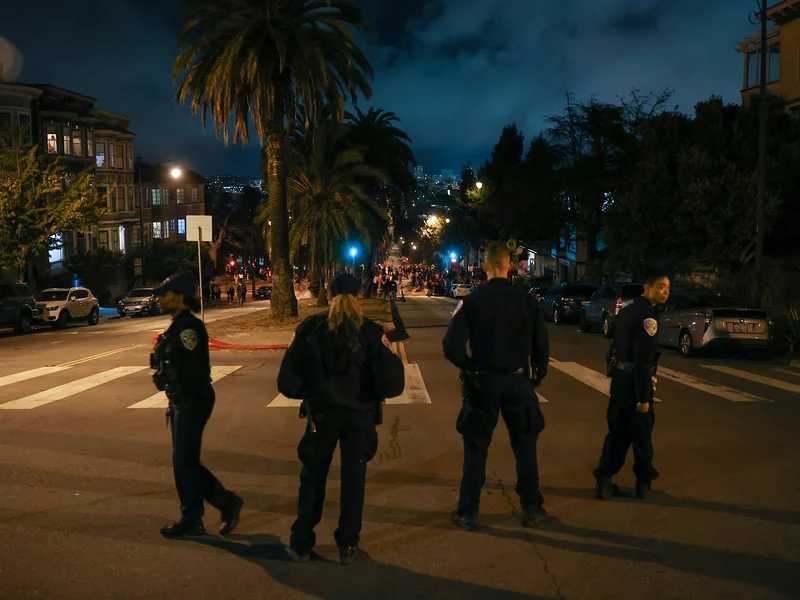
x,y
602,308
264,292
139,301
18,308
563,302
691,321
62,305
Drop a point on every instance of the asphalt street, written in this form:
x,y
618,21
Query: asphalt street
x,y
86,481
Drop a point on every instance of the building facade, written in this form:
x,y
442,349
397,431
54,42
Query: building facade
x,y
783,56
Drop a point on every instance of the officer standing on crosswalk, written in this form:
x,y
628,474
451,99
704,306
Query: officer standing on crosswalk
x,y
632,364
182,368
341,366
509,355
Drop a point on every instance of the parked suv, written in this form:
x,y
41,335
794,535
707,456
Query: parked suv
x,y
63,305
18,309
563,302
139,301
602,308
694,320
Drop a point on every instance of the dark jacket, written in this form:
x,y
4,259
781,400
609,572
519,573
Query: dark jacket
x,y
344,367
635,343
183,349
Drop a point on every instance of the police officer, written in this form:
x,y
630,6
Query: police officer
x,y
182,369
341,366
632,364
509,355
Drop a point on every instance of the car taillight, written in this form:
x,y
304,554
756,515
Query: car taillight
x,y
708,320
618,306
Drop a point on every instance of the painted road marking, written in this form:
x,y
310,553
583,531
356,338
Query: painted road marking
x,y
593,379
70,389
25,375
101,355
709,387
415,391
159,400
787,371
777,383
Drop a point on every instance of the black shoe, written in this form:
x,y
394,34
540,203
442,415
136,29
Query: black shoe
x,y
532,515
605,488
183,528
642,489
298,556
467,522
348,554
230,519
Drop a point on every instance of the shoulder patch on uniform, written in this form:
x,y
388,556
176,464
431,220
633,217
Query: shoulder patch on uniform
x,y
459,307
189,339
650,326
386,342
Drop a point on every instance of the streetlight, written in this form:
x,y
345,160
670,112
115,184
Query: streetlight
x,y
479,184
176,172
353,252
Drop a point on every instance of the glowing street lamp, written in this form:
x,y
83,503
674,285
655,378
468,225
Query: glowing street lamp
x,y
176,172
479,184
353,252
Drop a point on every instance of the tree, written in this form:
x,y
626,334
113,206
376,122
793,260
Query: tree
x,y
261,60
223,207
97,270
38,202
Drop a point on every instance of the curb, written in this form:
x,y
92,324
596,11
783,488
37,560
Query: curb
x,y
219,345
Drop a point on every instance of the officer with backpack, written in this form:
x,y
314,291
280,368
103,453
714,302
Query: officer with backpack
x,y
341,366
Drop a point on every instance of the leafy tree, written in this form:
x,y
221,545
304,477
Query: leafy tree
x,y
97,270
159,262
261,60
38,201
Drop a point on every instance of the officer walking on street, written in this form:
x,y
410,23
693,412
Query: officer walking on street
x,y
632,366
181,368
509,355
341,366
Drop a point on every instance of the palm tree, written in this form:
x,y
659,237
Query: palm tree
x,y
330,185
261,60
386,148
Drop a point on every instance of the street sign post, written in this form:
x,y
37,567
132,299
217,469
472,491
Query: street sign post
x,y
198,228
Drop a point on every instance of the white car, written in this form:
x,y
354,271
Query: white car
x,y
63,305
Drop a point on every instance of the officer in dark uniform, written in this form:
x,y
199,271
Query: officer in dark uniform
x,y
632,366
341,366
509,355
181,368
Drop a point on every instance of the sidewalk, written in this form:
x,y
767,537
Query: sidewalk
x,y
257,330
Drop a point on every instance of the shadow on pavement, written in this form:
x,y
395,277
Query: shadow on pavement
x,y
366,578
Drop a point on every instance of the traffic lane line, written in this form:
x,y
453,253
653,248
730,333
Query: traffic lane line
x,y
101,355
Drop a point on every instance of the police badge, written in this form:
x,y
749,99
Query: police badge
x,y
650,326
189,339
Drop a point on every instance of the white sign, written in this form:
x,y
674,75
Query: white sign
x,y
194,223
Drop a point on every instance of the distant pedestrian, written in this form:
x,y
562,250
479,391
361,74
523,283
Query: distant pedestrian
x,y
230,294
239,289
181,368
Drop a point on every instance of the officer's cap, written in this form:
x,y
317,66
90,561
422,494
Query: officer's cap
x,y
344,283
180,284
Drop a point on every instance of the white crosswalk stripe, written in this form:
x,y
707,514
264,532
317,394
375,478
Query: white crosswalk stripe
x,y
25,375
709,387
787,371
777,383
69,389
159,400
592,378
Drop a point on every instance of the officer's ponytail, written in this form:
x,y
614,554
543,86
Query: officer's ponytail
x,y
192,303
345,310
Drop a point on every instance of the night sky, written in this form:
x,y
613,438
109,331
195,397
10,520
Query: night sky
x,y
455,71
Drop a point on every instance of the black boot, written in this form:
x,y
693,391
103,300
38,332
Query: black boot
x,y
642,489
531,515
605,488
230,517
348,554
465,521
184,528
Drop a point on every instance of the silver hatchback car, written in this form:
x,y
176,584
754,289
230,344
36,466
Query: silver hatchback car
x,y
691,321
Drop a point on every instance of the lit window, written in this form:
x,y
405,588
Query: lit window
x,y
102,239
67,141
172,223
155,197
100,154
56,248
181,226
165,196
165,228
77,142
157,231
112,155
179,196
89,143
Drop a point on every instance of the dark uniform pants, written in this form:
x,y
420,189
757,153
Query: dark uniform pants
x,y
486,396
195,482
627,427
357,437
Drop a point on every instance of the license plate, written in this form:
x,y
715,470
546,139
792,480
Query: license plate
x,y
740,327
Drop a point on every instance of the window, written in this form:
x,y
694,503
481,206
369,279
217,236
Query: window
x,y
115,240
135,236
172,223
77,142
102,238
157,231
81,294
165,229
121,198
5,128
89,143
179,196
194,194
774,61
25,125
137,196
67,141
112,155
752,70
52,140
56,249
155,197
165,196
181,226
100,156
120,159
130,157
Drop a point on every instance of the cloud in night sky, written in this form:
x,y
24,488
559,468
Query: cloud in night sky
x,y
455,71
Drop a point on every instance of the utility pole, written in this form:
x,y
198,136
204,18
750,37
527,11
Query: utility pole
x,y
762,152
